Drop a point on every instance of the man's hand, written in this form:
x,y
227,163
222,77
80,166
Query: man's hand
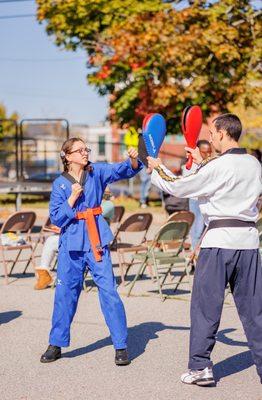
x,y
197,158
133,154
153,163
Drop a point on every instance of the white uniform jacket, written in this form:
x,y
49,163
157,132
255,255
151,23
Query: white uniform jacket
x,y
226,187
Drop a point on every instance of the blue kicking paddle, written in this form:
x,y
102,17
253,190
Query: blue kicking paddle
x,y
153,134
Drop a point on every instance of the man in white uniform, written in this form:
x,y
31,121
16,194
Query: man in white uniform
x,y
227,188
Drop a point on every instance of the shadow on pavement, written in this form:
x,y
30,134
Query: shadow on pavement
x,y
139,336
236,363
233,365
221,337
8,316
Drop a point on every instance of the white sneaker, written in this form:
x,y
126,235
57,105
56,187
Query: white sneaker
x,y
199,377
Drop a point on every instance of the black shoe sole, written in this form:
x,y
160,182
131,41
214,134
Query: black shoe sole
x,y
122,363
45,361
205,382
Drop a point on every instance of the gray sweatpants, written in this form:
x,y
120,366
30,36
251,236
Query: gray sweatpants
x,y
49,251
215,268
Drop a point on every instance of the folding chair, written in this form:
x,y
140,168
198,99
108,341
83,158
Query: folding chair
x,y
137,223
115,223
260,244
118,215
19,222
259,225
39,235
183,216
158,256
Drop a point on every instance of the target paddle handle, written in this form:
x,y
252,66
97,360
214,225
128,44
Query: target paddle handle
x,y
189,161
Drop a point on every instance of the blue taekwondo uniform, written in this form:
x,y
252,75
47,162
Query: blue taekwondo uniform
x,y
227,188
75,253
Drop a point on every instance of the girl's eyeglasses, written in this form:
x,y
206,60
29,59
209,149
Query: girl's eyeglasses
x,y
81,151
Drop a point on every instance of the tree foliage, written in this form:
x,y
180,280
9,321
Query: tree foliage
x,y
154,56
7,131
6,127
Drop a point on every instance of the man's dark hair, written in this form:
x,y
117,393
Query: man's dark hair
x,y
203,142
230,123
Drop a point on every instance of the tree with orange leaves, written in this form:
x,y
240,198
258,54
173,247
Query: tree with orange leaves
x,y
154,56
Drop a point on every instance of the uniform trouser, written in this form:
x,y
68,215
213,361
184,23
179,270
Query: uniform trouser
x,y
215,268
144,190
70,274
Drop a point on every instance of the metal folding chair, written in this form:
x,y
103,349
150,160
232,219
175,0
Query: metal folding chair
x,y
162,259
19,223
259,227
38,235
183,216
138,223
115,223
118,214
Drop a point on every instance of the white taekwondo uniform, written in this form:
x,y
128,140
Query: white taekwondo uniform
x,y
228,189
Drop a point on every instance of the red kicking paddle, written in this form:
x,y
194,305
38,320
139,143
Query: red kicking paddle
x,y
146,120
191,125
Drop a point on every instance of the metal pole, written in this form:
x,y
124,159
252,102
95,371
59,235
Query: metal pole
x,y
21,150
17,152
131,186
18,201
45,161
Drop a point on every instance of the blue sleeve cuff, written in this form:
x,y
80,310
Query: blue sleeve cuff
x,y
68,210
140,165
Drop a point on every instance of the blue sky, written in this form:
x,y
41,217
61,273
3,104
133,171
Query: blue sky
x,y
37,79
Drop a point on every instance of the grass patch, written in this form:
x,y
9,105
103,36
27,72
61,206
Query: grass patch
x,y
132,205
38,201
27,200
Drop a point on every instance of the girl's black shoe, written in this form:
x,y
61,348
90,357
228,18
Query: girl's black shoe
x,y
52,354
122,357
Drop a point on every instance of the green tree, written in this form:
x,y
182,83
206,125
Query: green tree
x,y
6,127
80,23
150,56
7,146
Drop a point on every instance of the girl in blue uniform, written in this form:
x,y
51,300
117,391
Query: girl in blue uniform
x,y
84,242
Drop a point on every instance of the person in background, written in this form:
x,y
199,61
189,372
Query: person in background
x,y
108,207
198,225
145,186
257,153
49,252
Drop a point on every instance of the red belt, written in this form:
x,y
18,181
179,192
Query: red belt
x,y
89,216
